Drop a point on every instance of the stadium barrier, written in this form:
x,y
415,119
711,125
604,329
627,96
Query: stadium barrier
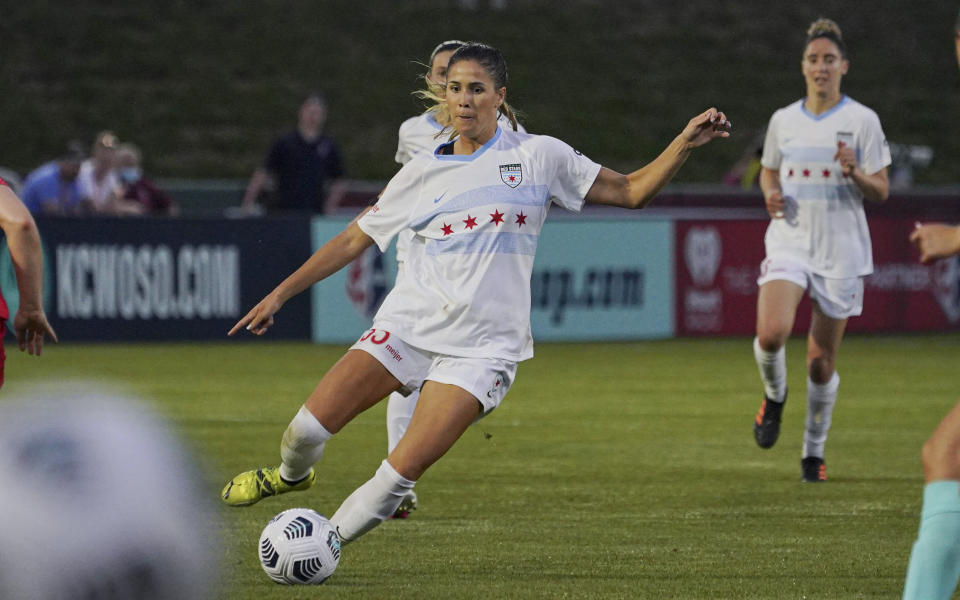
x,y
719,262
684,267
156,279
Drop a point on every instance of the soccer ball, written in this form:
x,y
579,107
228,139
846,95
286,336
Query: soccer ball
x,y
299,547
100,500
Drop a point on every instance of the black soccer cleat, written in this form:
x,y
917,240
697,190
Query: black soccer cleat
x,y
813,469
766,427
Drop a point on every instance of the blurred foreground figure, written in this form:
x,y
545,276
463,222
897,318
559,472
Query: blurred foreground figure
x,y
100,501
935,560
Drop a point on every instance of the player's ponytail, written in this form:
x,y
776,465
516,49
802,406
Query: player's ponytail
x,y
508,112
826,28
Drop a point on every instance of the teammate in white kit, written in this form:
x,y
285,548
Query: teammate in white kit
x,y
823,155
422,133
458,322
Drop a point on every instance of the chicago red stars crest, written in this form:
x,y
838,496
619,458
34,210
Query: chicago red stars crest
x,y
511,175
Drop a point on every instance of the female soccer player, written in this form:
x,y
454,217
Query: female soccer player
x,y
23,242
935,559
822,156
458,322
420,134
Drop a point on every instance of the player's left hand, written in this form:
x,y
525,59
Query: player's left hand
x,y
847,158
705,127
935,240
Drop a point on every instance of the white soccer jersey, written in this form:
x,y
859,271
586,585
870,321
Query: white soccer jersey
x,y
476,221
98,192
825,226
419,134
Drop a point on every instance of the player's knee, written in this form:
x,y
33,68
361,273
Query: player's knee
x,y
771,339
820,368
941,458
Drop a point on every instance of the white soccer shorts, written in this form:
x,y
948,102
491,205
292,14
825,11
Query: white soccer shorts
x,y
837,298
488,379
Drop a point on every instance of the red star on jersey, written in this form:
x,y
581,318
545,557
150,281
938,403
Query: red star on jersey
x,y
521,219
826,172
471,222
496,217
512,178
790,174
806,172
447,230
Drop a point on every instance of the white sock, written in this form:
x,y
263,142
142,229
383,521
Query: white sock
x,y
821,399
399,412
371,503
773,371
302,445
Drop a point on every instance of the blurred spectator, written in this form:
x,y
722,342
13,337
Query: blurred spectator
x,y
745,173
906,159
303,165
12,178
138,195
98,180
52,188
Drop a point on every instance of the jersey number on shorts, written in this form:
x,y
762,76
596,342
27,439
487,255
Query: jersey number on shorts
x,y
370,336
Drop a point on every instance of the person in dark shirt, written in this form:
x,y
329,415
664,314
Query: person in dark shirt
x,y
303,165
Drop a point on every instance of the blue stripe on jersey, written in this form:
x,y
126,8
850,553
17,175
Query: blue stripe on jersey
x,y
530,195
467,157
817,154
821,191
823,116
432,120
484,243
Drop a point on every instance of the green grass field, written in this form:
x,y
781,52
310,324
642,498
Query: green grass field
x,y
622,470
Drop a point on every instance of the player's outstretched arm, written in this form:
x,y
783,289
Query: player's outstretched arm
x,y
636,189
935,241
30,323
333,256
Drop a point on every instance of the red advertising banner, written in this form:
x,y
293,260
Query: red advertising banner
x,y
718,263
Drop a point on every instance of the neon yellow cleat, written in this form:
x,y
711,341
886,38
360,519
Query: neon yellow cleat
x,y
408,503
253,486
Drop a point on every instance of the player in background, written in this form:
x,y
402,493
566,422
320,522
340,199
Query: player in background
x,y
421,133
823,155
460,322
935,559
23,242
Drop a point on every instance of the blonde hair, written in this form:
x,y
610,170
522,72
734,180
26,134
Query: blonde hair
x,y
826,28
495,66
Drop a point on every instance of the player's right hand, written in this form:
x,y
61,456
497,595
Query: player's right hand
x,y
260,317
775,205
31,326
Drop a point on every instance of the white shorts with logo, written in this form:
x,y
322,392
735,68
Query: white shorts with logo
x,y
488,379
837,298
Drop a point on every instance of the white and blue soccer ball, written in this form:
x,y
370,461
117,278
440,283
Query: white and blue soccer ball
x,y
100,499
299,547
